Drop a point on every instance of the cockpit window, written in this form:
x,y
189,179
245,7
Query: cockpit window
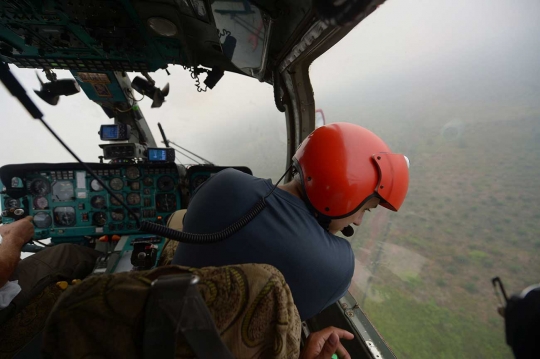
x,y
242,32
454,85
235,124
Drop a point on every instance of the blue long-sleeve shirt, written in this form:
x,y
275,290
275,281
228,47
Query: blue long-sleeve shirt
x,y
317,265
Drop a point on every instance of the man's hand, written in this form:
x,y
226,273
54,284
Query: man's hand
x,y
324,343
17,233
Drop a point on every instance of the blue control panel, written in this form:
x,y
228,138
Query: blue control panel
x,y
68,204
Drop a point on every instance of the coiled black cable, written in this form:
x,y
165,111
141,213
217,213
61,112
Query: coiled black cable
x,y
207,238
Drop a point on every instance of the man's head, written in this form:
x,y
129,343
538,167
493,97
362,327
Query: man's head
x,y
345,170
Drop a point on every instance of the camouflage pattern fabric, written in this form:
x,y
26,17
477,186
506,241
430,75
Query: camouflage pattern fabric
x,y
19,330
167,254
175,221
103,316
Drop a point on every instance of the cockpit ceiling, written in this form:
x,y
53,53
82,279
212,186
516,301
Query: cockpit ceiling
x,y
137,35
103,34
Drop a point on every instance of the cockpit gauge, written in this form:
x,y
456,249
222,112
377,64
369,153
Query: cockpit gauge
x,y
40,202
12,203
64,216
148,181
98,202
135,186
165,183
118,215
42,220
132,172
114,202
99,218
96,186
63,191
116,184
137,212
40,187
166,202
197,181
133,198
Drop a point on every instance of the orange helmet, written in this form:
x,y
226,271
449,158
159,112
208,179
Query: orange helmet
x,y
343,165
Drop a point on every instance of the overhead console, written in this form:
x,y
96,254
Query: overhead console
x,y
67,203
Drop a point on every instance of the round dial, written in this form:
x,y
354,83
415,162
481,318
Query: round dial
x,y
148,181
133,198
98,202
62,191
197,181
42,220
137,212
99,218
114,202
166,202
165,183
116,184
132,172
12,203
40,202
117,214
96,186
146,191
65,216
40,187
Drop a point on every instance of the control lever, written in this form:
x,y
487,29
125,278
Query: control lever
x,y
144,255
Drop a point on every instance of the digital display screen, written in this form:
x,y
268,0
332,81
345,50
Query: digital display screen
x,y
109,132
157,154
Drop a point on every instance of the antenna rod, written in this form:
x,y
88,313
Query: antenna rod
x,y
183,154
165,141
194,154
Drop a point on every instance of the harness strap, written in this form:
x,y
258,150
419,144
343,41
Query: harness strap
x,y
175,306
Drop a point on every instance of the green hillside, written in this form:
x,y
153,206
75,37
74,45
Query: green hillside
x,y
472,213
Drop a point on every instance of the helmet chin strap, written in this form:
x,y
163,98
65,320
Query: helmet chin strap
x,y
324,221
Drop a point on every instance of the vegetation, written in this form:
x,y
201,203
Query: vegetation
x,y
471,214
426,330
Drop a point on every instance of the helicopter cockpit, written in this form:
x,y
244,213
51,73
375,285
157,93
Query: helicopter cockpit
x,y
136,182
413,294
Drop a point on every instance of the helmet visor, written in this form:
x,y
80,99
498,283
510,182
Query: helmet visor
x,y
393,179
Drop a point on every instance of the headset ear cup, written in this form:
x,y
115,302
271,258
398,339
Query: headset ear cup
x,y
393,179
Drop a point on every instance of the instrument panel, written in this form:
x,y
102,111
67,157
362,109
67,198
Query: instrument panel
x,y
197,175
67,202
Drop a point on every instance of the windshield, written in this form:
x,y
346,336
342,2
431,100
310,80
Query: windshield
x,y
454,85
235,124
244,23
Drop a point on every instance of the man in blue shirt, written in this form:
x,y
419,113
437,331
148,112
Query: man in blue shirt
x,y
341,171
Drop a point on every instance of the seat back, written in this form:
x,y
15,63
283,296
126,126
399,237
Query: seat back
x,y
106,316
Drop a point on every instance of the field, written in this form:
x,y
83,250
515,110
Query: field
x,y
423,275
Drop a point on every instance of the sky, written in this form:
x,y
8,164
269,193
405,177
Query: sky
x,y
466,57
